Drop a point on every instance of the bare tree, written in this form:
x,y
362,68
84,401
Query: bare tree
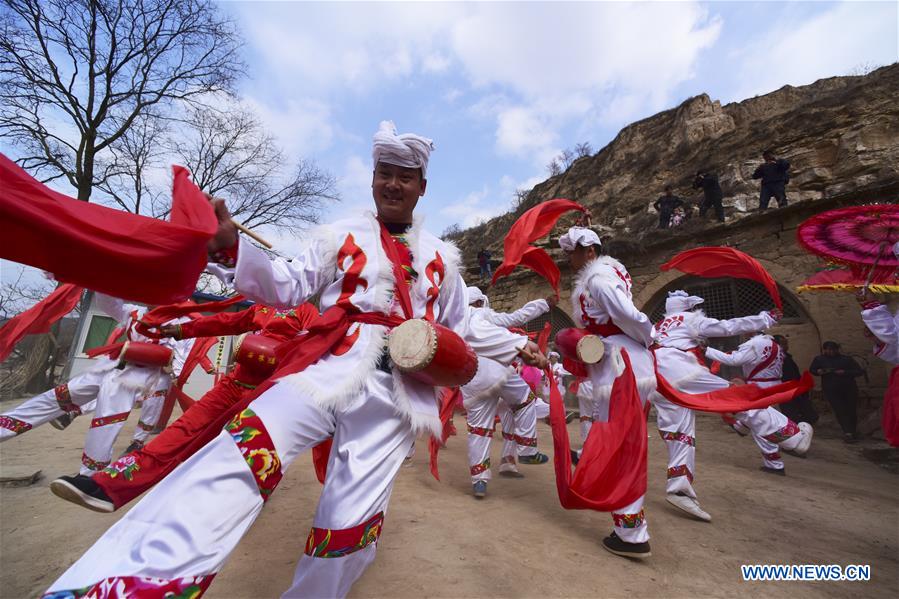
x,y
583,149
566,157
554,167
75,75
230,154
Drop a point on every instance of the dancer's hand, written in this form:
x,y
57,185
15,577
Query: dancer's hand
x,y
170,330
531,354
776,314
226,235
552,301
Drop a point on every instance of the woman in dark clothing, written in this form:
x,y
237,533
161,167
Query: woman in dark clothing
x,y
838,374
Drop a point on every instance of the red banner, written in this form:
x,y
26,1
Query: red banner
x,y
39,317
118,253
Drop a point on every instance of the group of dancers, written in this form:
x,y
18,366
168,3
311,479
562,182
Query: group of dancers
x,y
327,384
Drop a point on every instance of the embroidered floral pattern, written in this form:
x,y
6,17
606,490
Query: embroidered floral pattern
x,y
679,437
145,427
64,400
92,464
783,434
629,520
508,436
479,430
773,457
111,419
479,468
681,470
14,424
191,587
257,448
526,441
126,466
586,418
326,542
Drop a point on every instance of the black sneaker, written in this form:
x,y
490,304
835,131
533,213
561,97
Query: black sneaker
x,y
62,422
777,471
614,544
575,457
134,446
82,490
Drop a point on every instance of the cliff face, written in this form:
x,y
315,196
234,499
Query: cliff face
x,y
841,136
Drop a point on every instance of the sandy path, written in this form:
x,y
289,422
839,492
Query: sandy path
x,y
833,508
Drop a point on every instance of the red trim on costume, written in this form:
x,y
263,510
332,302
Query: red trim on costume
x,y
249,433
14,424
769,359
190,587
111,419
92,464
481,431
479,468
772,456
681,470
789,429
629,520
679,437
64,400
329,542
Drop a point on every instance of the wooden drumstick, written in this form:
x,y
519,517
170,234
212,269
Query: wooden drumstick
x,y
250,233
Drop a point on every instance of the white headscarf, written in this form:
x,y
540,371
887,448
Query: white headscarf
x,y
679,301
578,236
407,150
475,294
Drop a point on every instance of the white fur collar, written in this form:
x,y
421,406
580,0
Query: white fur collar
x,y
605,267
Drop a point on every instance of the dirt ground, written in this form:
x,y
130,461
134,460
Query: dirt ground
x,y
835,507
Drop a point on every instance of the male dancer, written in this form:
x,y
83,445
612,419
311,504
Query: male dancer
x,y
495,383
135,472
679,355
115,390
370,273
602,303
762,358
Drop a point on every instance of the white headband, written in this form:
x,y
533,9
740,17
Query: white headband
x,y
407,150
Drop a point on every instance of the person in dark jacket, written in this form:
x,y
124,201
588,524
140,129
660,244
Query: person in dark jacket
x,y
712,194
801,408
775,174
838,374
666,205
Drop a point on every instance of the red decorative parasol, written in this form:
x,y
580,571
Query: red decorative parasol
x,y
843,279
861,237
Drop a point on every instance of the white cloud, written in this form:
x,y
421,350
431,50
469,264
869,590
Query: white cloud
x,y
303,126
354,183
831,43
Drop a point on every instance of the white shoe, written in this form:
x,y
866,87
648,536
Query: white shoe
x,y
689,505
806,431
509,470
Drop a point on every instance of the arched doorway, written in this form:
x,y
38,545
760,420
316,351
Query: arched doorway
x,y
731,298
556,318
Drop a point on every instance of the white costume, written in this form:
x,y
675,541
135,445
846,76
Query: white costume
x,y
885,327
762,361
602,303
182,532
109,392
679,358
587,407
497,384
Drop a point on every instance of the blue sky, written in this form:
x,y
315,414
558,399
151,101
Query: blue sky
x,y
503,87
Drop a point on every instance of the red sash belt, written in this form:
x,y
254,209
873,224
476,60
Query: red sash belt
x,y
605,330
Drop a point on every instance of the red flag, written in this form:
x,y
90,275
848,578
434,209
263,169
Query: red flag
x,y
543,337
161,314
736,398
713,262
39,317
531,226
118,253
449,398
612,470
